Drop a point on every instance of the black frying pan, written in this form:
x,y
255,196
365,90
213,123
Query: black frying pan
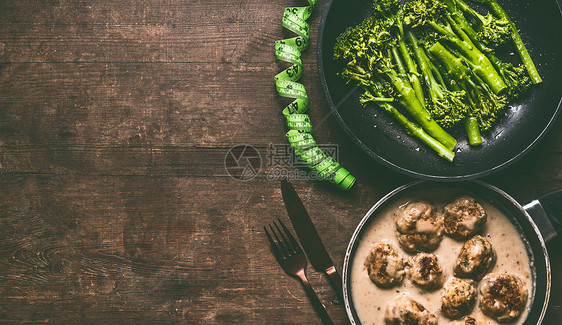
x,y
536,222
522,126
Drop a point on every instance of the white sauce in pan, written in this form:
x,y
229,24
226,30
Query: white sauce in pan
x,y
370,301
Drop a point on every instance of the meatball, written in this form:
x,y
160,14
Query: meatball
x,y
475,259
425,271
384,266
420,227
458,297
504,296
405,310
468,320
463,217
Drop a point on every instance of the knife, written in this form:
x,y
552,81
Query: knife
x,y
310,241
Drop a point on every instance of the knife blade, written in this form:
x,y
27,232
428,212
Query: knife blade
x,y
309,238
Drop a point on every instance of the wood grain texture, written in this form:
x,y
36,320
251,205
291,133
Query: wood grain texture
x,y
115,204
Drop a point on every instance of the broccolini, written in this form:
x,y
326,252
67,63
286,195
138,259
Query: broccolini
x,y
435,60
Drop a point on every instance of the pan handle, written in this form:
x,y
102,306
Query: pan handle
x,y
546,211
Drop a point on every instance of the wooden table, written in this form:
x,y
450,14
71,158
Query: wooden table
x,y
115,205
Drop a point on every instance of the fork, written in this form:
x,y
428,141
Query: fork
x,y
293,261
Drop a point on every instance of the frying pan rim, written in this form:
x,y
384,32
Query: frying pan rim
x,y
397,167
369,214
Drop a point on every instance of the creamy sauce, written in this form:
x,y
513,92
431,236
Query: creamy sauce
x,y
511,257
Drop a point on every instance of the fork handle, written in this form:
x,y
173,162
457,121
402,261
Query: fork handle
x,y
318,306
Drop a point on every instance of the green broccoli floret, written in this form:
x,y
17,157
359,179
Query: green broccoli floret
x,y
491,31
516,78
519,45
423,12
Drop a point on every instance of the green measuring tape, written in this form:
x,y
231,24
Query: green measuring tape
x,y
299,135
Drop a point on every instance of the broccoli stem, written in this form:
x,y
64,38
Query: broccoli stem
x,y
461,75
470,123
452,65
422,59
419,133
402,70
475,16
409,100
447,32
437,73
503,69
382,99
480,64
519,45
472,131
462,43
412,69
398,61
416,130
460,19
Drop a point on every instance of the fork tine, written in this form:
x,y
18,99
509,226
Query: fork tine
x,y
286,236
274,245
282,246
286,241
292,240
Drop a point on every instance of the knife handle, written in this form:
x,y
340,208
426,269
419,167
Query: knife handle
x,y
335,280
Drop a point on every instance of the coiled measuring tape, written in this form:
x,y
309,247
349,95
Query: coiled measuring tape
x,y
298,123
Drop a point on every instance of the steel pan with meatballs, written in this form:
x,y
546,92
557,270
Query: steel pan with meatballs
x,y
440,257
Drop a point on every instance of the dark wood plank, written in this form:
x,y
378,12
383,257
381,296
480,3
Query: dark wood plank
x,y
132,31
121,103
